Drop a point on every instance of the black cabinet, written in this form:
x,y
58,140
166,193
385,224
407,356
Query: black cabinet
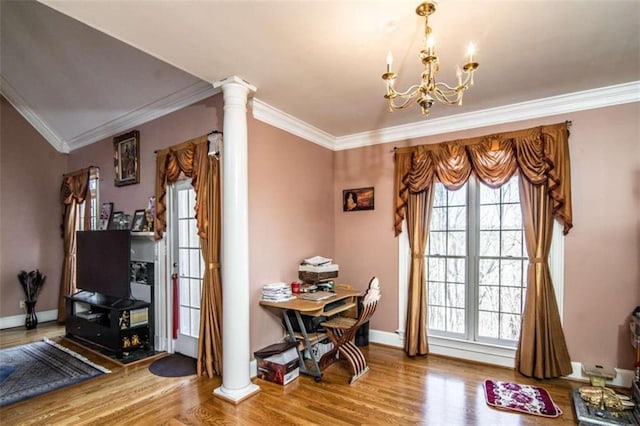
x,y
115,324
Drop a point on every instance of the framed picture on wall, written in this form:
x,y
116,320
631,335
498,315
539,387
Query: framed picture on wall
x,y
357,199
126,158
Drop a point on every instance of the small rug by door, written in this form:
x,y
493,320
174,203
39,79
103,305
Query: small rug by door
x,y
523,398
174,365
36,368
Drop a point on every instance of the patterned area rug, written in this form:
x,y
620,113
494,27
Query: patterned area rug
x,y
36,368
523,398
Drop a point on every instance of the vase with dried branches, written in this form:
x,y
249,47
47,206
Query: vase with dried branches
x,y
32,283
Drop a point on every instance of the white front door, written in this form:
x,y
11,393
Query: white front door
x,y
189,267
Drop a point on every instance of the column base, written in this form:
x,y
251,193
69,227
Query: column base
x,y
236,396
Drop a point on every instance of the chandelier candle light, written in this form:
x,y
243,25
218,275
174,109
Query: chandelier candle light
x,y
428,90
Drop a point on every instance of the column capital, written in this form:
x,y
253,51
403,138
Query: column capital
x,y
234,79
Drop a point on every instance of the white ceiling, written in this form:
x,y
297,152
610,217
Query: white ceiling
x,y
318,61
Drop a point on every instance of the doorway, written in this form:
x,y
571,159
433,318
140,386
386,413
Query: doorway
x,y
188,269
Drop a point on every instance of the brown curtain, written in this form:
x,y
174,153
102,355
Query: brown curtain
x,y
192,159
72,193
541,155
210,339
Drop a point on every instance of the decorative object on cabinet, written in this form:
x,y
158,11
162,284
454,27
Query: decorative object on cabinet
x,y
139,221
126,158
357,199
105,216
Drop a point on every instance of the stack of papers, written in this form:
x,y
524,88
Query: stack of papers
x,y
277,292
316,261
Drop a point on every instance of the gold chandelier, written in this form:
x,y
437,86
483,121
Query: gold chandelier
x,y
429,90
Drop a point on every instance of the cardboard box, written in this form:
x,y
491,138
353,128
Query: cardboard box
x,y
281,368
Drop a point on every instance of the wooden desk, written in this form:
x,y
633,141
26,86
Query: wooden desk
x,y
315,309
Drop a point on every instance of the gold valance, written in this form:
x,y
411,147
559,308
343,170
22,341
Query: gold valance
x,y
190,158
540,154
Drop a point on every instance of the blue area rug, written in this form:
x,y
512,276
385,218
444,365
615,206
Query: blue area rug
x,y
36,368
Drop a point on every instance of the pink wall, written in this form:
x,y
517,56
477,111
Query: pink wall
x,y
30,177
290,215
174,128
602,252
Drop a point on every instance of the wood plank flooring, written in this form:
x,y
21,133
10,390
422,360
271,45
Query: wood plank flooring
x,y
398,390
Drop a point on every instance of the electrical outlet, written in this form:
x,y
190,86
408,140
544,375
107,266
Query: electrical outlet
x,y
22,304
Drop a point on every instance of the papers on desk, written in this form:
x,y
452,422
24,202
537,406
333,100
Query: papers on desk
x,y
319,295
277,292
316,261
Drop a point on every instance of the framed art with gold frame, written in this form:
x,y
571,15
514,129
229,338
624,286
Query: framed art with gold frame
x,y
126,158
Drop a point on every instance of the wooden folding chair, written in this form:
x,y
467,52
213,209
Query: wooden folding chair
x,y
341,332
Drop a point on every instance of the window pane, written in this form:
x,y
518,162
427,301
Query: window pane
x,y
488,324
489,243
184,292
455,295
510,192
488,298
456,270
509,327
436,293
436,318
457,218
490,216
455,320
437,243
195,322
183,256
183,204
185,327
512,243
194,239
511,272
489,272
438,219
457,243
194,288
194,263
489,195
510,300
183,236
459,197
439,196
436,269
511,216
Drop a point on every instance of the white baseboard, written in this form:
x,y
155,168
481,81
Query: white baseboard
x,y
18,320
503,357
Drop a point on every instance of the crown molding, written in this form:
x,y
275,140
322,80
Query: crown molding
x,y
273,116
562,104
173,102
18,102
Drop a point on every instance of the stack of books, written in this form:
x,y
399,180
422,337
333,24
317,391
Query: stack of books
x,y
277,292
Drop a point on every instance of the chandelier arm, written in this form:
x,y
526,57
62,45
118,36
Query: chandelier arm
x,y
404,104
409,93
450,98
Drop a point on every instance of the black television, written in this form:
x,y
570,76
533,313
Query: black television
x,y
102,262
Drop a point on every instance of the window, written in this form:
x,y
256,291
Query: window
x,y
476,263
94,211
191,265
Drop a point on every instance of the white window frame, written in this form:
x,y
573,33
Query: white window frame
x,y
464,349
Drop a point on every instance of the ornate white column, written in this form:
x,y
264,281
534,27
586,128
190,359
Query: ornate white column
x,y
236,375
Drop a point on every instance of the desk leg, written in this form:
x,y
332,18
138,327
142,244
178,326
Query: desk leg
x,y
315,371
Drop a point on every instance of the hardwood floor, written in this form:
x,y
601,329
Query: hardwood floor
x,y
397,390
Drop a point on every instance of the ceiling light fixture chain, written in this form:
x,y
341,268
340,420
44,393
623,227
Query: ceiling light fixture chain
x,y
429,90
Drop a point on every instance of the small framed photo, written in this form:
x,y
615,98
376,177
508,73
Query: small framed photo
x,y
117,220
126,158
357,199
139,221
105,216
